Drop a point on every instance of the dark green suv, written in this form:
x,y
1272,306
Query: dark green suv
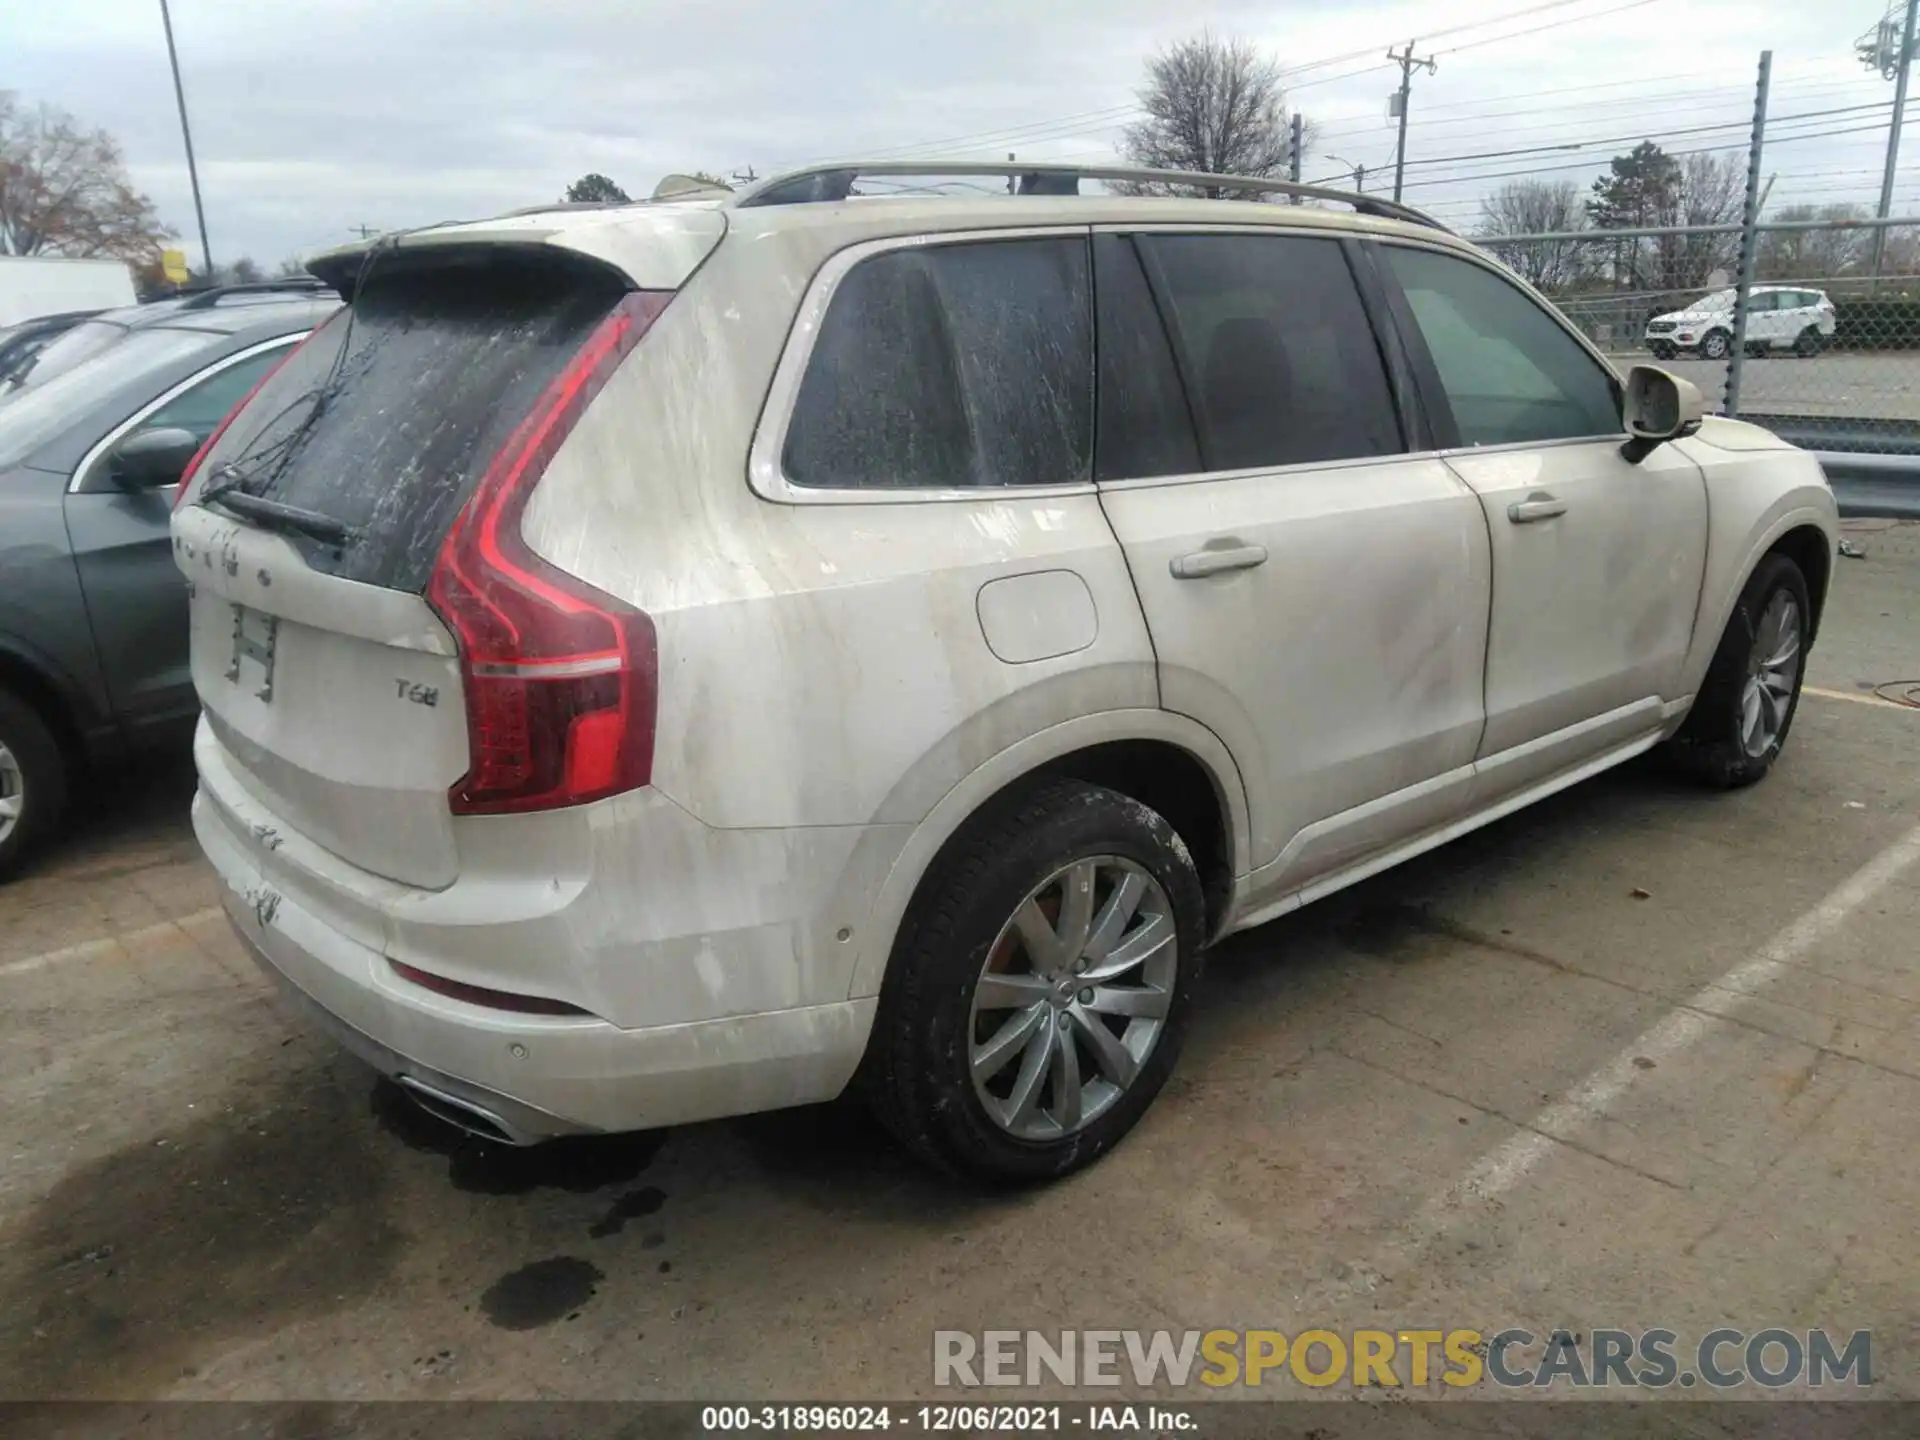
x,y
93,613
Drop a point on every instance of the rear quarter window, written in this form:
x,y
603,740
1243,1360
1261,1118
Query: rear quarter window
x,y
951,367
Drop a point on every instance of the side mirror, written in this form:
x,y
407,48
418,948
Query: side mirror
x,y
1657,407
150,459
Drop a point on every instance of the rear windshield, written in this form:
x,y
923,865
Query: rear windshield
x,y
72,349
391,436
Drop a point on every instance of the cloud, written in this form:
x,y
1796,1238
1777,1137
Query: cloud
x,y
310,118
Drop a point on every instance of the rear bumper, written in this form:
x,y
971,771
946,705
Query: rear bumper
x,y
539,1076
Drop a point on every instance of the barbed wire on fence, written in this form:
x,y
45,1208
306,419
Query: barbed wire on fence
x,y
1841,341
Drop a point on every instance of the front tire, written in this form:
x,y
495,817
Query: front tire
x,y
1715,345
33,782
1741,717
1662,351
1040,986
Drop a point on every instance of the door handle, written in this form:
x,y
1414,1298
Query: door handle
x,y
1537,506
1202,563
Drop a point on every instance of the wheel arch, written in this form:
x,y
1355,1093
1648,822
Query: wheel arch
x,y
57,701
1808,547
1166,761
1802,525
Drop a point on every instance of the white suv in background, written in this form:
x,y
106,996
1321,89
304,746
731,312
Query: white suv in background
x,y
668,661
1779,317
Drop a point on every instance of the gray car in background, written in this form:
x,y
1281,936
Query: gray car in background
x,y
93,611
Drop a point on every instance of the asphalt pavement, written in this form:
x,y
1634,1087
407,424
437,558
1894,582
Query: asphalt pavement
x,y
1640,1056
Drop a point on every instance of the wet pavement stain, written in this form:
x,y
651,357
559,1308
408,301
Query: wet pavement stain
x,y
142,1261
630,1206
540,1293
578,1165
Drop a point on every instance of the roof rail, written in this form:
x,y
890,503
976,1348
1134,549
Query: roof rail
x,y
836,182
212,295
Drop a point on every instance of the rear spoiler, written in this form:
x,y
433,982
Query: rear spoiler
x,y
650,247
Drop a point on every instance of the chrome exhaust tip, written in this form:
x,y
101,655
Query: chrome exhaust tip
x,y
475,1120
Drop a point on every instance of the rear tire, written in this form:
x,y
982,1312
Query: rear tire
x,y
949,1057
1741,717
1809,343
33,782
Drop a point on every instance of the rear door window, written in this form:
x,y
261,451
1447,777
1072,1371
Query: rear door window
x,y
388,417
1145,425
951,367
1280,359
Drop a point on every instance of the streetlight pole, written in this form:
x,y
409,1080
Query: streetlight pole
x,y
1359,173
186,134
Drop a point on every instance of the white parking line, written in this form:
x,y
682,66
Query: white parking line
x,y
112,945
1507,1164
1862,698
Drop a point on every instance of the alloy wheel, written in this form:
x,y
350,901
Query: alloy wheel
x,y
12,792
1773,672
1073,997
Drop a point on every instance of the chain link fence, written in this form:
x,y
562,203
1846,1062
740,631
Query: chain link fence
x,y
1823,349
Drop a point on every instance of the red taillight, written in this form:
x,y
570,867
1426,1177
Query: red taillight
x,y
200,455
560,678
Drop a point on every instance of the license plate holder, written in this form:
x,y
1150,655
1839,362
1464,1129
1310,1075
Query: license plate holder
x,y
255,636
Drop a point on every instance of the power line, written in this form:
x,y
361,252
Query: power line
x,y
1641,135
1036,131
1537,29
1593,161
1660,135
1558,92
1690,102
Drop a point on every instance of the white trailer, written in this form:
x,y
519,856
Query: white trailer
x,y
36,285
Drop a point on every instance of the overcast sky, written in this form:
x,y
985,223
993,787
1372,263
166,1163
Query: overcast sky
x,y
311,118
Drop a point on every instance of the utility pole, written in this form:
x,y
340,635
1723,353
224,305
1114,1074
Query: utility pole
x,y
365,232
186,134
1904,64
1013,181
1296,142
1408,63
744,177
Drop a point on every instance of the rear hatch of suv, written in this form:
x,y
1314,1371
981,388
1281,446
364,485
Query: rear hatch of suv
x,y
376,650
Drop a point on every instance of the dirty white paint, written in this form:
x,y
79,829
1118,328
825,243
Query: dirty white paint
x,y
1349,664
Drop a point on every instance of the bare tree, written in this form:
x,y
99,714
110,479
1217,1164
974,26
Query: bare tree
x,y
1712,190
1814,254
1211,105
65,190
244,271
1538,207
291,266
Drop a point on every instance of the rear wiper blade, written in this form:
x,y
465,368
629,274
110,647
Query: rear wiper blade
x,y
277,516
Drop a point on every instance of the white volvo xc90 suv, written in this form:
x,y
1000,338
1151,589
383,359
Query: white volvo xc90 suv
x,y
675,660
